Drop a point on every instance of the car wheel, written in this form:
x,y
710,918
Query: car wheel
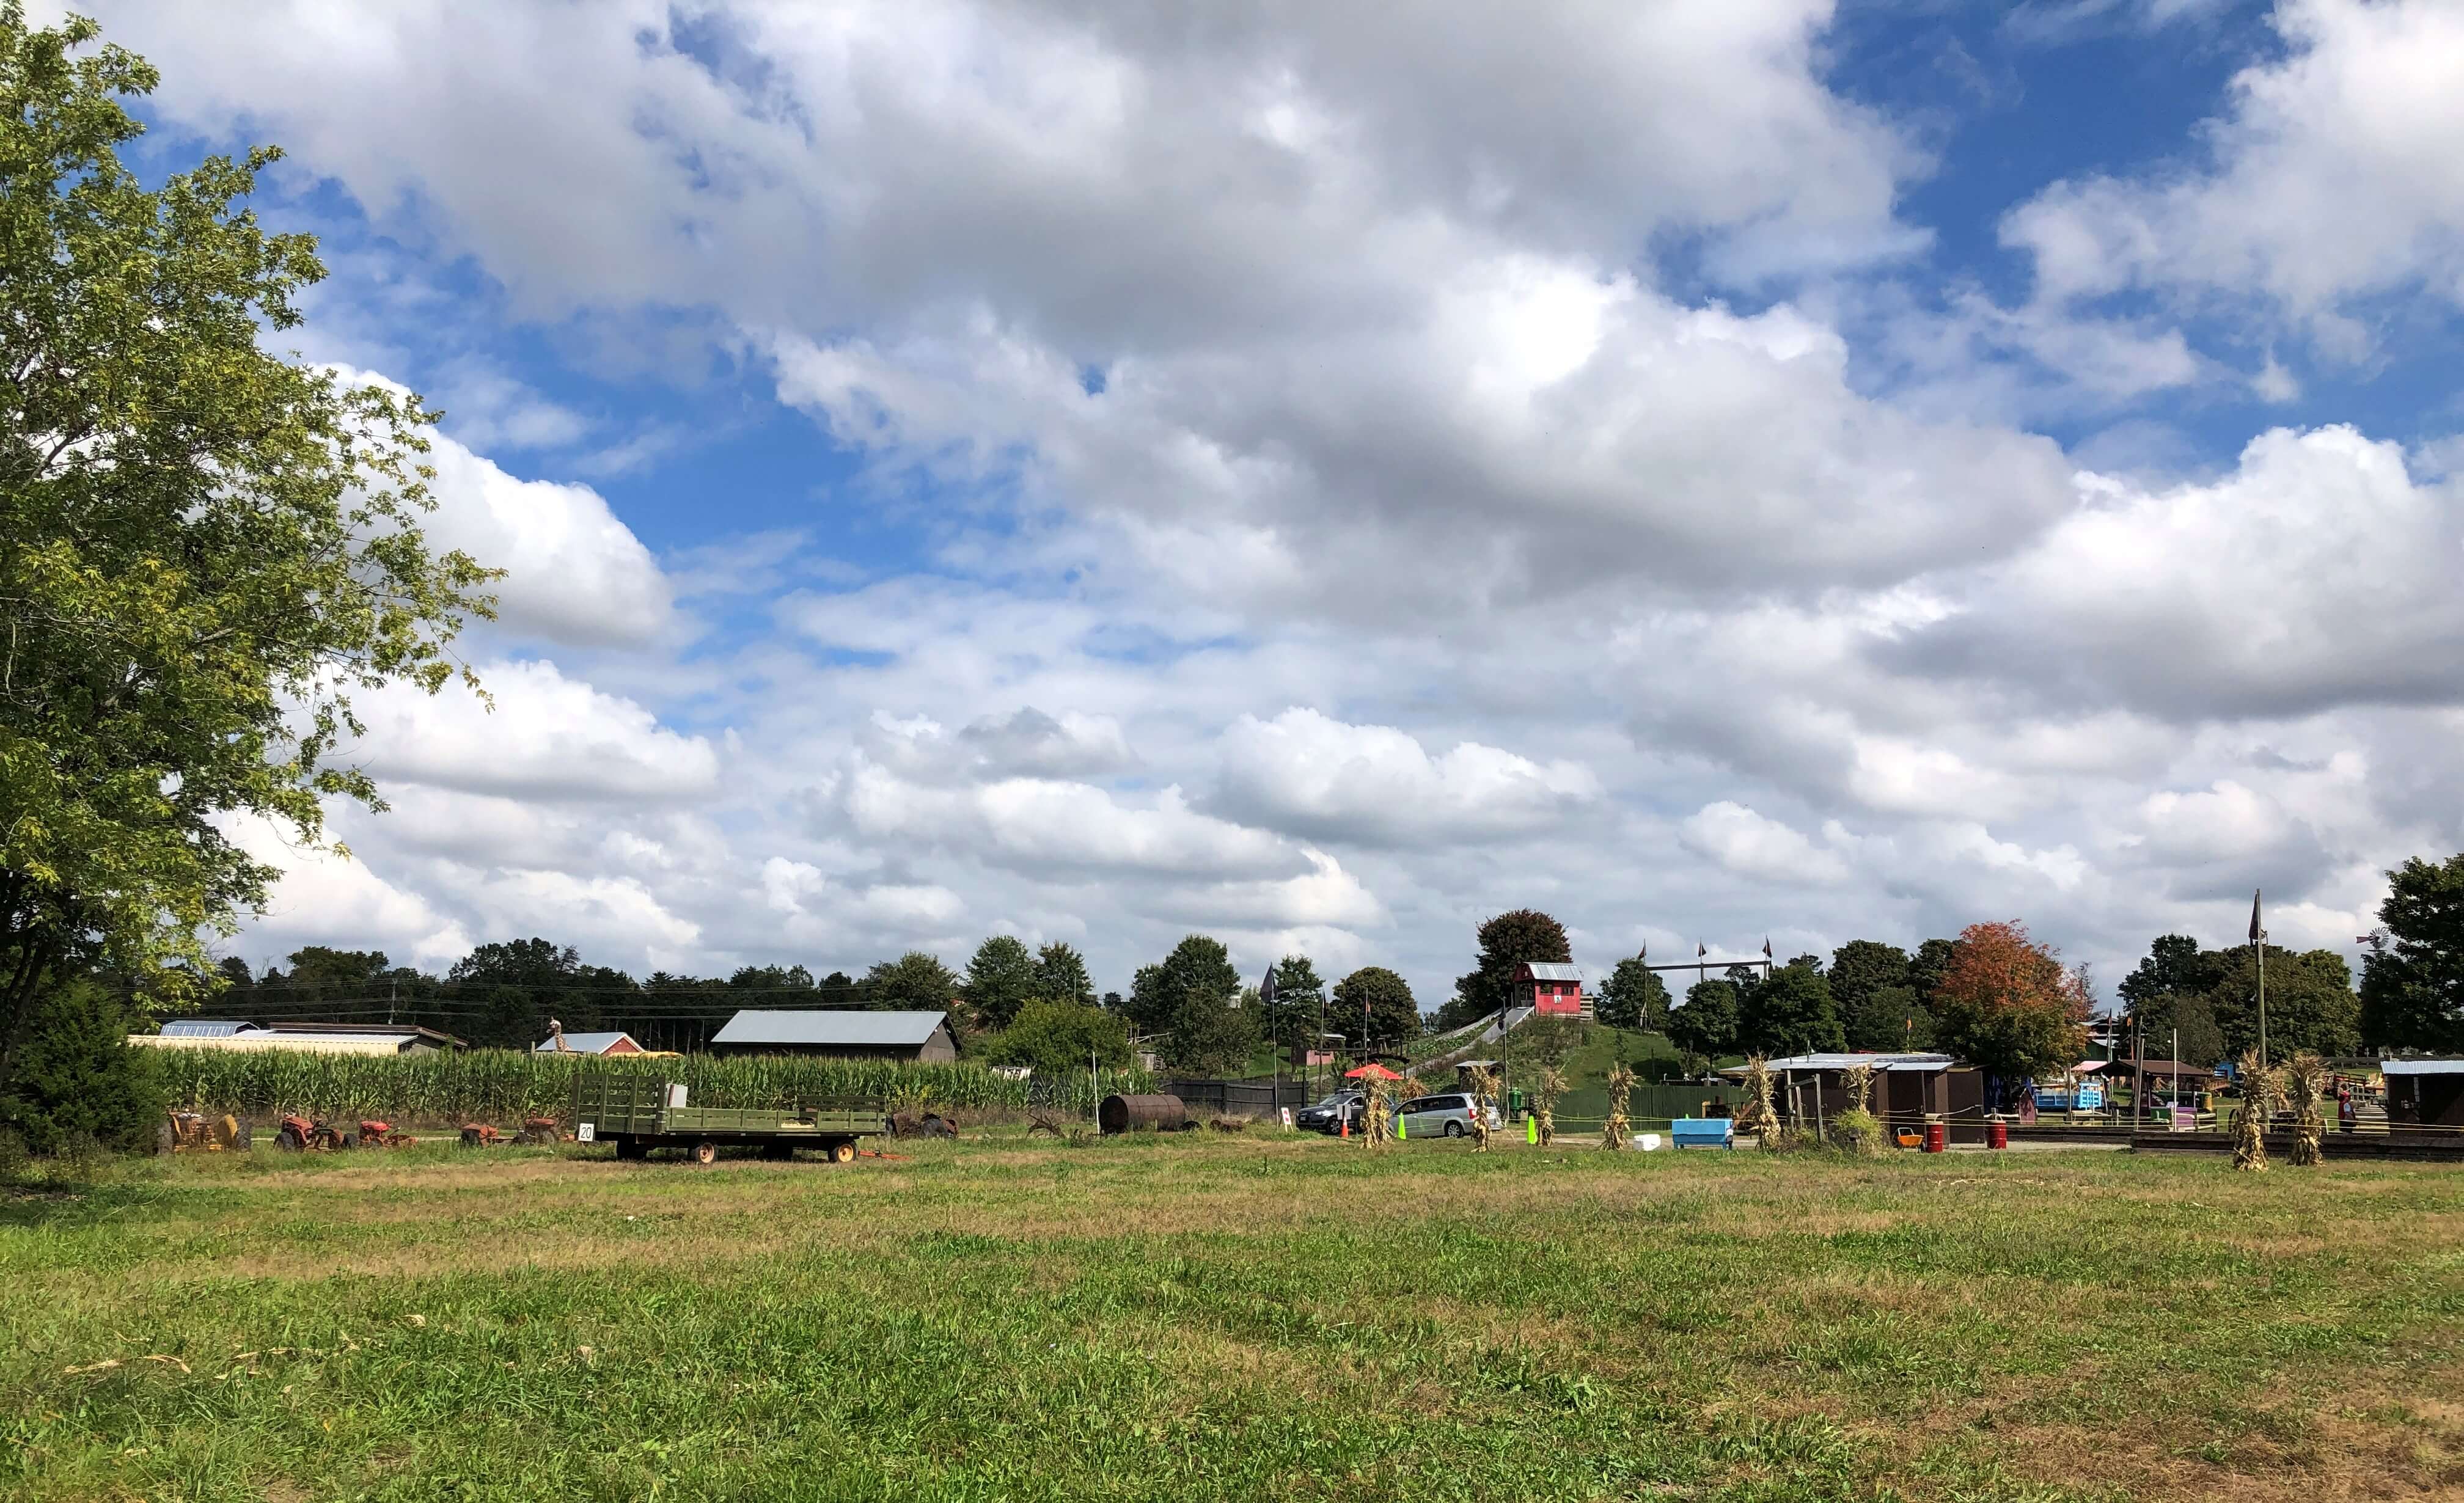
x,y
1454,1129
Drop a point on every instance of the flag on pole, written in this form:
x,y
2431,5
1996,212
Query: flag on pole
x,y
1267,987
1766,954
2255,929
1698,950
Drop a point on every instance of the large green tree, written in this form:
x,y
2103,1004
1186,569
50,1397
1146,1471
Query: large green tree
x,y
2412,976
1887,1019
914,982
1506,942
1634,997
1707,1025
2310,1003
1191,999
1060,1038
1861,968
1000,978
1299,1005
1790,1012
1380,998
205,548
1060,975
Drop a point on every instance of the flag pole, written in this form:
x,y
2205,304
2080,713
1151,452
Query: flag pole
x,y
2258,940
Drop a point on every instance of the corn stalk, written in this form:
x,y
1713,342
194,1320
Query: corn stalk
x,y
1483,1102
1760,1118
2305,1094
507,1085
1552,1085
1614,1131
2261,1094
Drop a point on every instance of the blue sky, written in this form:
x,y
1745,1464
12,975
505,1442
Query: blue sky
x,y
1705,471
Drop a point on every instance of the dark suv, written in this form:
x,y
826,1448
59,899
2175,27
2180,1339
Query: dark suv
x,y
1330,1114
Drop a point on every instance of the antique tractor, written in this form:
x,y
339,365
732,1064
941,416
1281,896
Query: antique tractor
x,y
375,1134
194,1132
299,1135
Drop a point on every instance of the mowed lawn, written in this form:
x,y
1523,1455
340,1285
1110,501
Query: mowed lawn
x,y
1212,1317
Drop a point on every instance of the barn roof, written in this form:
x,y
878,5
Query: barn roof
x,y
587,1043
205,1028
844,1027
1918,1063
1553,971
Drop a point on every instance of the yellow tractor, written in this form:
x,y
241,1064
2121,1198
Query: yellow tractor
x,y
194,1132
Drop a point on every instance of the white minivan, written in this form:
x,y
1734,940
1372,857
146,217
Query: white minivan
x,y
1447,1115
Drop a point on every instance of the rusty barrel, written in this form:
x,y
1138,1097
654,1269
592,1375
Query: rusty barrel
x,y
1935,1138
1140,1113
1997,1134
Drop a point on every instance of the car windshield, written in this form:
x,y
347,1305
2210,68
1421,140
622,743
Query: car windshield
x,y
1338,1099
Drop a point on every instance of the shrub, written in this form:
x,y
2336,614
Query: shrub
x,y
78,1080
1858,1131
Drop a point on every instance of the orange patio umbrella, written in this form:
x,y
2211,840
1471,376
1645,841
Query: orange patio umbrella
x,y
1372,1071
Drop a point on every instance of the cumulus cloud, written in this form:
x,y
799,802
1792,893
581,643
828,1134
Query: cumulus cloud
x,y
573,573
2318,573
1321,778
1756,845
547,737
1494,383
2337,171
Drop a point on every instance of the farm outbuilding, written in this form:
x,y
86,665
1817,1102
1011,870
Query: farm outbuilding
x,y
1908,1089
307,1038
845,1033
2424,1093
616,1043
1548,988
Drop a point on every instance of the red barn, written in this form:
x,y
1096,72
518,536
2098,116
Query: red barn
x,y
1549,986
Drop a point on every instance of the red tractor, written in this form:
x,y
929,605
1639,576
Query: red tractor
x,y
375,1134
480,1135
298,1135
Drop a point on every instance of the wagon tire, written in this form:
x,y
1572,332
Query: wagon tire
x,y
705,1152
842,1153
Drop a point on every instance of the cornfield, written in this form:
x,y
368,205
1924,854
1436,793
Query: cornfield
x,y
504,1084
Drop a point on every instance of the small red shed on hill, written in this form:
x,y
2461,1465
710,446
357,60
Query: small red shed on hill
x,y
1549,986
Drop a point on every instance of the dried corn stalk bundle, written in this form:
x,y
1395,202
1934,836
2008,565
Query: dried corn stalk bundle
x,y
1759,1118
2261,1094
2305,1095
1614,1131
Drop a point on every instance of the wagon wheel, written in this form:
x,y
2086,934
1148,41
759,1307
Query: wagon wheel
x,y
705,1152
842,1153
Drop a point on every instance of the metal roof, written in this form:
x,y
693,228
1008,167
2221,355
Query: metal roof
x,y
1879,1062
1553,971
583,1043
205,1028
845,1027
2421,1067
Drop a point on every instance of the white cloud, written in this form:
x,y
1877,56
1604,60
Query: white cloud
x,y
573,572
547,738
2337,172
1759,847
2319,572
1321,778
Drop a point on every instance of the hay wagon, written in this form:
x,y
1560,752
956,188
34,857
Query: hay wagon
x,y
638,1114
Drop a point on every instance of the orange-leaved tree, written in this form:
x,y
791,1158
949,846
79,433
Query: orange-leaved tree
x,y
2006,1004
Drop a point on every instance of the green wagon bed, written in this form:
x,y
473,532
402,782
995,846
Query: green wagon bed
x,y
637,1114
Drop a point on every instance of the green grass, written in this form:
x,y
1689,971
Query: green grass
x,y
1214,1316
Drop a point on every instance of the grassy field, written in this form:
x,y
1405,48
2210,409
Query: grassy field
x,y
1212,1317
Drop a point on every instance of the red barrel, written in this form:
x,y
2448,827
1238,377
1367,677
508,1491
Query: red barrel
x,y
1997,1134
1935,1141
